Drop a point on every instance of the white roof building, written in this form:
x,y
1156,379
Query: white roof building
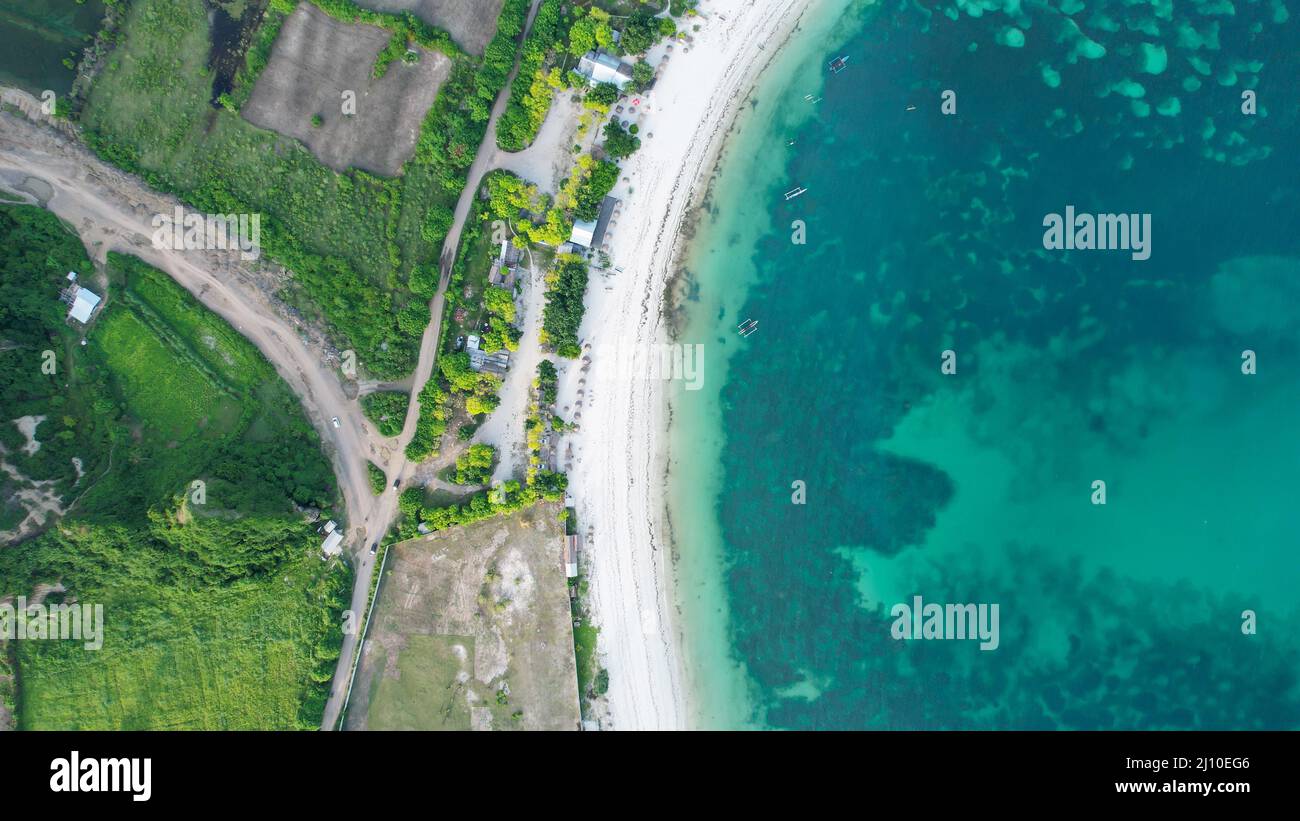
x,y
590,233
584,232
599,67
333,545
82,300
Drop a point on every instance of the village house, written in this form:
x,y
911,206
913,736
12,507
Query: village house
x,y
599,67
480,360
333,544
505,268
82,302
591,233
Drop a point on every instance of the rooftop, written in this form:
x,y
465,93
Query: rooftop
x,y
333,543
84,302
600,67
584,233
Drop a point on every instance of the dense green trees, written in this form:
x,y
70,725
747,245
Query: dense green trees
x,y
531,92
500,302
387,409
499,56
456,370
171,561
590,31
566,284
188,600
618,142
37,349
642,30
603,95
502,333
547,382
263,461
593,189
643,74
474,467
378,481
437,222
432,423
516,201
504,500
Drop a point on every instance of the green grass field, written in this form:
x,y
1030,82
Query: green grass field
x,y
219,613
361,248
220,346
173,396
227,658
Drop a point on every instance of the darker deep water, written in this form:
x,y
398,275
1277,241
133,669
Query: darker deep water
x,y
924,235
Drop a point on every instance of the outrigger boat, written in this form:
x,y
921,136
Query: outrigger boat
x,y
747,327
839,64
794,192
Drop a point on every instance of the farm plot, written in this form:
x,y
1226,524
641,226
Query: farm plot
x,y
471,629
317,65
471,23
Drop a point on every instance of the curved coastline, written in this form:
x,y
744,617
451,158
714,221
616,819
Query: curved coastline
x,y
737,170
618,474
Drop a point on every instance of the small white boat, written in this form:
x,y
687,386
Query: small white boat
x,y
839,64
795,192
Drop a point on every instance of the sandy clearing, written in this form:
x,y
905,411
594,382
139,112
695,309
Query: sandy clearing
x,y
27,426
549,158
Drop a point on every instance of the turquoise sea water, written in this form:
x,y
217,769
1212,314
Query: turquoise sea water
x,y
924,234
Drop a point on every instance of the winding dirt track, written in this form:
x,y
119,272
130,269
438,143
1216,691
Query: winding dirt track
x,y
112,210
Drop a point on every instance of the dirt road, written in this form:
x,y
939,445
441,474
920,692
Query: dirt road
x,y
112,210
398,466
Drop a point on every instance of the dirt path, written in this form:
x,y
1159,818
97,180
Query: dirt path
x,y
398,466
111,210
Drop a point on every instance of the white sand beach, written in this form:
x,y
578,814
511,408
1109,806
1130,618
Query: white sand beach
x,y
617,462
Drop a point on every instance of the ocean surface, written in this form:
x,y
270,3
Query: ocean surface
x,y
1108,452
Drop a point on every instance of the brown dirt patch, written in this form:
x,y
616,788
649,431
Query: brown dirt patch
x,y
315,60
471,23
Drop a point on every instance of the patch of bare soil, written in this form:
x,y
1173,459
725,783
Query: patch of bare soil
x,y
471,23
39,499
472,630
317,66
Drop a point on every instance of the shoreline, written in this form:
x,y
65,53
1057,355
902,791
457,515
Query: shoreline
x,y
618,478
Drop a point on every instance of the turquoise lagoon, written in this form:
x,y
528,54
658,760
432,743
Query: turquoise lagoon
x,y
1172,605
